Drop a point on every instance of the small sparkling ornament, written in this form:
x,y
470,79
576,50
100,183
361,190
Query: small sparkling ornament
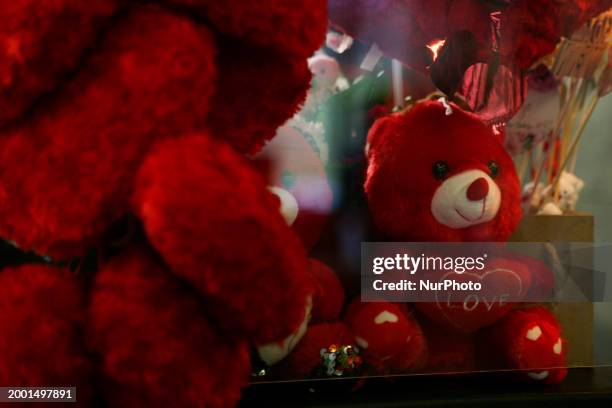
x,y
259,373
339,360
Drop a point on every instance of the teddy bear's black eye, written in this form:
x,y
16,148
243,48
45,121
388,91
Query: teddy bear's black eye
x,y
493,168
440,170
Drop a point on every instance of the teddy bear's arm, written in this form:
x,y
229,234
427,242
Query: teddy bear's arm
x,y
212,219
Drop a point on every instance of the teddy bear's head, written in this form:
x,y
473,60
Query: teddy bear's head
x,y
570,187
325,71
437,173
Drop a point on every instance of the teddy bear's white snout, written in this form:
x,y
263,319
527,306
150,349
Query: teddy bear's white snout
x,y
466,199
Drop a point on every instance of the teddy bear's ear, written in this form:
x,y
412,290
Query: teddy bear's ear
x,y
380,127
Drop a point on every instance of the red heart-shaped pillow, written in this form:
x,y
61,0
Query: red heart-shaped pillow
x,y
504,281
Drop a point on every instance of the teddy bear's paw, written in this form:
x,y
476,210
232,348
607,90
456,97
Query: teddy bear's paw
x,y
156,348
275,351
325,305
40,41
388,335
528,341
41,313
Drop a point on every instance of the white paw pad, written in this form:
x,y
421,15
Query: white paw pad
x,y
361,342
538,376
534,333
386,316
558,347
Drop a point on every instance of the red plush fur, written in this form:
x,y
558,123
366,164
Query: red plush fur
x,y
227,239
40,41
65,174
400,185
293,28
156,347
257,91
329,294
449,351
41,313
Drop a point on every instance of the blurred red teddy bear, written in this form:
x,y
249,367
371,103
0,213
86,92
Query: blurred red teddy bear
x,y
134,116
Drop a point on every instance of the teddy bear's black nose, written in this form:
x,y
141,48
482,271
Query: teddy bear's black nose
x,y
478,190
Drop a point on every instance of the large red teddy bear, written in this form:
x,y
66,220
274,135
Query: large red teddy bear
x,y
123,126
438,174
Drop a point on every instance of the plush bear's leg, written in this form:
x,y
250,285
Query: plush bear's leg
x,y
389,336
41,312
528,340
155,346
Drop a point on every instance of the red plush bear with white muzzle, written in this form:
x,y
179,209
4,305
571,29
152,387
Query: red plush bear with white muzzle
x,y
461,182
438,174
